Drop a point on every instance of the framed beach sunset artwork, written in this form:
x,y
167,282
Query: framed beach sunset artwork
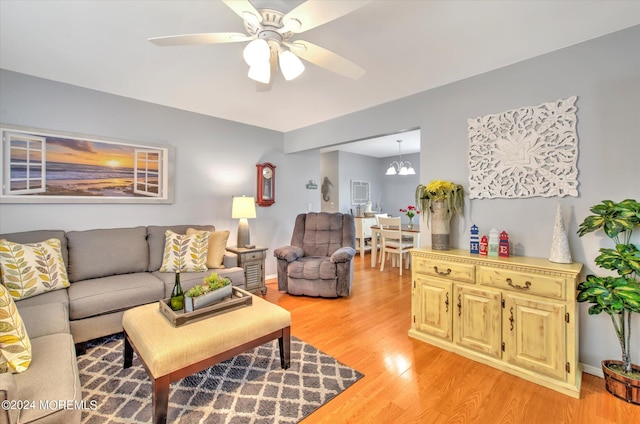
x,y
40,166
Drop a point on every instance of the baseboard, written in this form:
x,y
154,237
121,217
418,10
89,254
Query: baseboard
x,y
597,371
271,276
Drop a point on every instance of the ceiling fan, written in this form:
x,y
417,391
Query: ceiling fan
x,y
269,33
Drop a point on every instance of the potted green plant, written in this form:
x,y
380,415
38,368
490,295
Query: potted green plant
x,y
616,295
440,201
212,289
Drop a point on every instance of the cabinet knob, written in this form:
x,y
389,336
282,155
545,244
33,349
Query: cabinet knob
x,y
459,304
511,319
446,303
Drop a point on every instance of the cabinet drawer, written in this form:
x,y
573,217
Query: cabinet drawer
x,y
539,285
253,256
443,269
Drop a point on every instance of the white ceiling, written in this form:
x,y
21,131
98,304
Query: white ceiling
x,y
405,46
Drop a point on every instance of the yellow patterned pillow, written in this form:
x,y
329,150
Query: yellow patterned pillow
x,y
32,268
185,253
217,247
15,346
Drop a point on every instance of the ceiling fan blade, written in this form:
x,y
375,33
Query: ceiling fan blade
x,y
203,38
244,6
313,13
325,59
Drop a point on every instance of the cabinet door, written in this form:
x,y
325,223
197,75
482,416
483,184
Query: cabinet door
x,y
476,320
534,333
433,307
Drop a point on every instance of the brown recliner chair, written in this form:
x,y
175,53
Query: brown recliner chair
x,y
319,261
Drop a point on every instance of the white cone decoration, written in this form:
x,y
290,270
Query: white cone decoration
x,y
560,252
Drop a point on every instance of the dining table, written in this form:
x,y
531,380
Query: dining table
x,y
407,230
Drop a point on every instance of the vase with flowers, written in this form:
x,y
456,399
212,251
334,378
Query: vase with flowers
x,y
410,211
440,201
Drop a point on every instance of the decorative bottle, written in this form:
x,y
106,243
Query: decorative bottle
x,y
177,296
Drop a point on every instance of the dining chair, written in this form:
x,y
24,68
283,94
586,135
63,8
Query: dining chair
x,y
392,242
377,216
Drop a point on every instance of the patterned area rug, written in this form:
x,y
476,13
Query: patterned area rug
x,y
250,388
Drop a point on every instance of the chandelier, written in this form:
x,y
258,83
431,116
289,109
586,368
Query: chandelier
x,y
400,167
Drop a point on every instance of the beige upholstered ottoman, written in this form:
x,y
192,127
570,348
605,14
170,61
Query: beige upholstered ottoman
x,y
171,353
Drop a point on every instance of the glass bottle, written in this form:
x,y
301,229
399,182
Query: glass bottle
x,y
177,296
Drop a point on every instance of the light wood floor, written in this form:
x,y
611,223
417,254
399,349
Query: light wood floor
x,y
407,381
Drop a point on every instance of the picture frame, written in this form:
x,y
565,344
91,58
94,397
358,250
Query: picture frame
x,y
360,192
46,166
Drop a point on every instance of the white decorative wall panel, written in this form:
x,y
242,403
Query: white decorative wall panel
x,y
526,152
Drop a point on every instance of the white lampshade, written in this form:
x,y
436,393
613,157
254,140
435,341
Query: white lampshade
x,y
391,171
243,207
290,65
411,171
403,170
256,52
260,72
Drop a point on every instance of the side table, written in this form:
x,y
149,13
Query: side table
x,y
252,261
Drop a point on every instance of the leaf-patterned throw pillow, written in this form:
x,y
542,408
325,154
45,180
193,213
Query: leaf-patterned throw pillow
x,y
185,253
31,269
15,346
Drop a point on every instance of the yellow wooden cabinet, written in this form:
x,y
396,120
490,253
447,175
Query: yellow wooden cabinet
x,y
516,314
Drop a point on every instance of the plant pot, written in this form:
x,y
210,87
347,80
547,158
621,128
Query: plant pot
x,y
193,303
620,386
440,226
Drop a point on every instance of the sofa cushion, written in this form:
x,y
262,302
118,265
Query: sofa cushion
x,y
15,346
100,253
156,236
185,253
115,293
31,269
52,377
39,235
57,296
217,247
42,320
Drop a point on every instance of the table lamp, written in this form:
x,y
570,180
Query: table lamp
x,y
242,209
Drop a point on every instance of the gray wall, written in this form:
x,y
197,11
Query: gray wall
x,y
215,160
605,75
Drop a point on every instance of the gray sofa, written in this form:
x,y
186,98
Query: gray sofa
x,y
110,271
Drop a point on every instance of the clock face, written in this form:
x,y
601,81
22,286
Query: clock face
x,y
267,173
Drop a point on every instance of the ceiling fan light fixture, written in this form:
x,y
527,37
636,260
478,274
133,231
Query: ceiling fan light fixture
x,y
256,52
290,65
260,72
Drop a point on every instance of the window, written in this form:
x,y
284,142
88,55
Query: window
x,y
147,172
25,165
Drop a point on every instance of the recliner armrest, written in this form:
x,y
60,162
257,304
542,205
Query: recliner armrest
x,y
344,254
288,253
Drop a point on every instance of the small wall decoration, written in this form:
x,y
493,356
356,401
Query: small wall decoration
x,y
526,152
359,192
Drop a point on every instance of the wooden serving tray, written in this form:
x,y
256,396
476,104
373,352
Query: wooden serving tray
x,y
239,299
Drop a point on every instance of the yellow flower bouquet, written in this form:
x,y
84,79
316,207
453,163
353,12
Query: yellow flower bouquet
x,y
440,191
